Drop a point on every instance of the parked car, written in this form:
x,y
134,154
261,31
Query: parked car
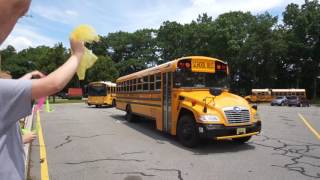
x,y
62,95
280,101
298,101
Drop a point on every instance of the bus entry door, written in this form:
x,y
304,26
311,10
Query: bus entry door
x,y
166,112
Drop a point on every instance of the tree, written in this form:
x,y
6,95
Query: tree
x,y
303,28
103,70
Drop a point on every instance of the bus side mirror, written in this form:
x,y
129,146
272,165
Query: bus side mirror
x,y
215,91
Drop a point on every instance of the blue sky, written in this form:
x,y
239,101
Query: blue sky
x,y
50,22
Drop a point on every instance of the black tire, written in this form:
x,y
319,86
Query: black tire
x,y
282,104
98,106
187,131
242,139
114,103
130,117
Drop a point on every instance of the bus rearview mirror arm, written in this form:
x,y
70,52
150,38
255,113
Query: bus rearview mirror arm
x,y
214,92
205,108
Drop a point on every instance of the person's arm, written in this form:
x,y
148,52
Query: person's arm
x,y
58,79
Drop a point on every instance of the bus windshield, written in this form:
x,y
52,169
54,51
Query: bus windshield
x,y
97,90
200,79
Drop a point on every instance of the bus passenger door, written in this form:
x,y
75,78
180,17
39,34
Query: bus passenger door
x,y
166,93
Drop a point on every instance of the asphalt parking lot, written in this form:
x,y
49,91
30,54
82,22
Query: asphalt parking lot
x,y
97,143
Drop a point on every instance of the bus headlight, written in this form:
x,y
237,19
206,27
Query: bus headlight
x,y
209,118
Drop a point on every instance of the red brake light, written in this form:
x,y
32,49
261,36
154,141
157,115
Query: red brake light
x,y
184,64
220,66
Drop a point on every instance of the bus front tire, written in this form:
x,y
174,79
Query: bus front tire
x,y
187,132
242,139
114,103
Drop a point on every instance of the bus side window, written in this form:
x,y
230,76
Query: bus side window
x,y
152,83
158,82
139,84
127,86
146,83
130,86
134,85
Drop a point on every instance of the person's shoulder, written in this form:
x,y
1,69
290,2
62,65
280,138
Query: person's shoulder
x,y
14,84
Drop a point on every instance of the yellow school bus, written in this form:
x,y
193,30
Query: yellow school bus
x,y
259,95
188,97
288,92
101,93
266,95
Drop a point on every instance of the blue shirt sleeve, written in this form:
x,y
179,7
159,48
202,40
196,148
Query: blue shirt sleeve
x,y
15,102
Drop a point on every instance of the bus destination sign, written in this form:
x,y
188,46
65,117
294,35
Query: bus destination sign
x,y
202,65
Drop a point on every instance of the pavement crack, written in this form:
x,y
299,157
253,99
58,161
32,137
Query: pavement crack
x,y
170,170
138,152
140,173
69,140
105,159
296,154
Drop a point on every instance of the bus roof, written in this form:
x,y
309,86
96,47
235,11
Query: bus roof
x,y
108,83
167,65
288,90
260,90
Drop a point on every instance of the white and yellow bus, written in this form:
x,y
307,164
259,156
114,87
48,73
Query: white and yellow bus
x,y
288,92
259,95
188,97
101,93
266,95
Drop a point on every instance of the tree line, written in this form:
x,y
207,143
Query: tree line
x,y
261,50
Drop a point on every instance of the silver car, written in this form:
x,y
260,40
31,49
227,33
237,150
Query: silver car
x,y
280,101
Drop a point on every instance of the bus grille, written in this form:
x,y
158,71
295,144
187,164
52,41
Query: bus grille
x,y
237,115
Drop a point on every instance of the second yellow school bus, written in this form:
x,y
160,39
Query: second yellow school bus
x,y
101,93
188,97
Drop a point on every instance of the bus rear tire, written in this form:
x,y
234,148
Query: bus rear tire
x,y
130,117
242,139
187,132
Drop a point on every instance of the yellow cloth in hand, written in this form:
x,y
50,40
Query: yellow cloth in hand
x,y
86,34
87,61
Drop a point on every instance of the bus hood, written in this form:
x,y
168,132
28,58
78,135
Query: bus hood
x,y
226,99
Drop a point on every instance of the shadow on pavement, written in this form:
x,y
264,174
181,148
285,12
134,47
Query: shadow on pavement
x,y
206,146
99,107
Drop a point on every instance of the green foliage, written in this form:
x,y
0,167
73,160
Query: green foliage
x,y
103,70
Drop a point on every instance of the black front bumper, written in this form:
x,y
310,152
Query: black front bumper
x,y
220,130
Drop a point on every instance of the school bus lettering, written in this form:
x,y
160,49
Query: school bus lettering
x,y
203,66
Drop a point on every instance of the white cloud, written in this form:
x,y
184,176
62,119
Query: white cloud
x,y
216,7
56,14
24,36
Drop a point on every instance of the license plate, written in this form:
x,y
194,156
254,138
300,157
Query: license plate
x,y
241,130
202,65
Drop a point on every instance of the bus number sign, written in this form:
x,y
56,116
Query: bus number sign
x,y
202,65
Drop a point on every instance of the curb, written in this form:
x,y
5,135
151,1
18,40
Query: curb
x,y
28,126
